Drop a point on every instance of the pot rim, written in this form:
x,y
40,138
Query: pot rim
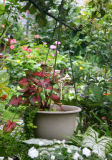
x,y
68,110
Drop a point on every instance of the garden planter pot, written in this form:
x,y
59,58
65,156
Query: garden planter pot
x,y
56,124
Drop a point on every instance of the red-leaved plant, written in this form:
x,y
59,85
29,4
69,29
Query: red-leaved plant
x,y
9,126
38,89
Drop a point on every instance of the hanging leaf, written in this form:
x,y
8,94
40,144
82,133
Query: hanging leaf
x,y
55,97
9,126
24,90
16,100
23,82
35,99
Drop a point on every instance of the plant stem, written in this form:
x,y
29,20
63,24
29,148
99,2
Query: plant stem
x,y
74,84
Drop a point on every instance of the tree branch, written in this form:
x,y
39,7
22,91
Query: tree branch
x,y
52,16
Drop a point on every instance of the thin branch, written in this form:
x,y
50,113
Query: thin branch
x,y
61,5
73,78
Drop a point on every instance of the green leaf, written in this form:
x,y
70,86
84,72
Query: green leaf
x,y
98,145
2,8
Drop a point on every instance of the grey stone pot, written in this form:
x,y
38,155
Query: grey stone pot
x,y
56,124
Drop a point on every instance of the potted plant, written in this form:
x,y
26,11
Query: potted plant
x,y
41,90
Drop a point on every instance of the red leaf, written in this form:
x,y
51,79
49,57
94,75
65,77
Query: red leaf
x,y
42,74
27,94
40,83
16,100
40,89
3,97
54,74
20,100
32,88
35,80
35,99
55,90
24,90
47,81
44,82
9,126
36,73
48,75
23,82
55,97
50,88
39,74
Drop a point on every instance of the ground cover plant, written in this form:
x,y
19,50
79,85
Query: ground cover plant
x,y
38,38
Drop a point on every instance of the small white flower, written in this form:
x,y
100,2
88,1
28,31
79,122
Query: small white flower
x,y
86,152
52,157
76,156
33,153
69,150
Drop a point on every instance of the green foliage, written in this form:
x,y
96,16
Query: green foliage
x,y
9,145
90,139
98,145
29,117
2,7
90,32
4,147
22,61
104,126
85,31
4,79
